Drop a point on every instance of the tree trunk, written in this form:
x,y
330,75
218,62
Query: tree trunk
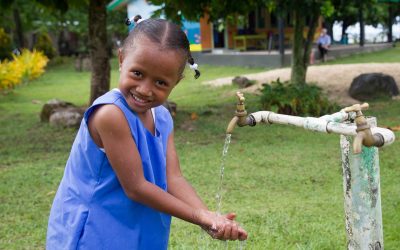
x,y
344,28
312,27
100,78
298,74
329,27
281,39
390,23
18,27
362,28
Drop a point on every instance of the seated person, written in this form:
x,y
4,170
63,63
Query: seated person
x,y
324,41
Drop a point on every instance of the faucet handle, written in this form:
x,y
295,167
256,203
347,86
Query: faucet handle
x,y
240,97
356,107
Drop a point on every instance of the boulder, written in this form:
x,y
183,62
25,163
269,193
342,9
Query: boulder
x,y
242,82
66,117
61,113
373,85
51,106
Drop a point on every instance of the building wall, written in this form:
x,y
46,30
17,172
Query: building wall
x,y
206,32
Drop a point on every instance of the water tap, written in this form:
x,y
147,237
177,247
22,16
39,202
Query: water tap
x,y
241,119
364,135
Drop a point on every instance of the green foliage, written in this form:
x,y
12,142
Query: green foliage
x,y
192,10
296,99
5,45
45,44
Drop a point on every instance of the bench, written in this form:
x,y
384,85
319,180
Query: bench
x,y
245,42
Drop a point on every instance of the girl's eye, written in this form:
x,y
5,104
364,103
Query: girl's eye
x,y
137,73
161,83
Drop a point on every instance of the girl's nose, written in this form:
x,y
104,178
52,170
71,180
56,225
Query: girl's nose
x,y
145,89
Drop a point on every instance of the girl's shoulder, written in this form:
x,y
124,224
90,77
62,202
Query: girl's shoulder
x,y
111,97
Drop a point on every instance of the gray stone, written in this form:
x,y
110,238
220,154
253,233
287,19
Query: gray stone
x,y
61,113
66,117
49,108
242,82
373,85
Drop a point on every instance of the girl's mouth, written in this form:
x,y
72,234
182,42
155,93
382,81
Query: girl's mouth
x,y
139,100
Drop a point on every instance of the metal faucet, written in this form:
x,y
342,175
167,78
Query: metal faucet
x,y
241,119
364,135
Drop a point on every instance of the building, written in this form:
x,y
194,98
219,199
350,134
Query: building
x,y
256,31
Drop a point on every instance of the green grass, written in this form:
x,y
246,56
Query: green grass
x,y
284,183
386,56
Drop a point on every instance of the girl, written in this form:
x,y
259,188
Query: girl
x,y
122,180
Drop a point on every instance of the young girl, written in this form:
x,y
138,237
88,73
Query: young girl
x,y
122,180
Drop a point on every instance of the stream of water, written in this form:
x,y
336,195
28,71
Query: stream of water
x,y
240,244
221,175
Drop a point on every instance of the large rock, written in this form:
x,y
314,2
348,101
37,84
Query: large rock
x,y
373,85
66,117
50,107
61,113
242,82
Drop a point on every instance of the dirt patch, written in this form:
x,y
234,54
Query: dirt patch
x,y
335,80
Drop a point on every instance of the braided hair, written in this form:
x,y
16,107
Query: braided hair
x,y
163,32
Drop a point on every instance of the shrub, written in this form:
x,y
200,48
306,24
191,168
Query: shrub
x,y
43,43
10,74
23,68
295,99
5,45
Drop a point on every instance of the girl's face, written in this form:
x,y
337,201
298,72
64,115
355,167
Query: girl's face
x,y
148,74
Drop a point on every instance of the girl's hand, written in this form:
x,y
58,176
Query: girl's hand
x,y
221,227
242,233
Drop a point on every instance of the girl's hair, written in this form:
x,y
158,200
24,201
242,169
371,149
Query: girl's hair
x,y
163,32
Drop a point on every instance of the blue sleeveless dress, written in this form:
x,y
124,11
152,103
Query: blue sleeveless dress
x,y
91,210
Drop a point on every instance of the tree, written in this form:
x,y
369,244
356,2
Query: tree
x,y
348,13
222,8
98,49
54,19
302,45
193,10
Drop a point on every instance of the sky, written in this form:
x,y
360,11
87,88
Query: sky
x,y
371,33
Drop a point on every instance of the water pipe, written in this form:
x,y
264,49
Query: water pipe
x,y
365,135
360,163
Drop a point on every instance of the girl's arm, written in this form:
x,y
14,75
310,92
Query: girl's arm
x,y
109,129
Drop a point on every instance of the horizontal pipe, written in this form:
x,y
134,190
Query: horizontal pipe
x,y
387,134
320,124
339,116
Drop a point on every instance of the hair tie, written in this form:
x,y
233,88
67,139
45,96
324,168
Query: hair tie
x,y
128,21
193,66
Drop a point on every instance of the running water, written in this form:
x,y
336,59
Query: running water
x,y
241,244
222,168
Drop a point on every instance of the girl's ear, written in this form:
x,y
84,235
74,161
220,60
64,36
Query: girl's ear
x,y
180,78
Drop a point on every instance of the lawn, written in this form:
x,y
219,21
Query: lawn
x,y
284,183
